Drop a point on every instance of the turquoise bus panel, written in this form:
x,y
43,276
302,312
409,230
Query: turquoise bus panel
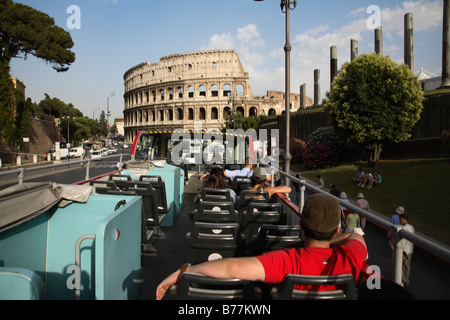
x,y
45,246
25,246
20,284
118,254
65,228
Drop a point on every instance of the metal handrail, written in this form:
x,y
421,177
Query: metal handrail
x,y
397,232
78,258
21,172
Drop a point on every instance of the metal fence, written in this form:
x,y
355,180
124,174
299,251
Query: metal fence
x,y
20,174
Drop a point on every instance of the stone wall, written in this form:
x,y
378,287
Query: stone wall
x,y
43,132
425,136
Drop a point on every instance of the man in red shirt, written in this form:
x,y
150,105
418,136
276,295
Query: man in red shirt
x,y
326,252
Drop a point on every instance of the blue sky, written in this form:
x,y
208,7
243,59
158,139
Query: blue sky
x,y
116,35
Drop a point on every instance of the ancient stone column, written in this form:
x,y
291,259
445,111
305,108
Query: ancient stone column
x,y
333,63
316,87
303,96
379,40
446,46
409,41
353,49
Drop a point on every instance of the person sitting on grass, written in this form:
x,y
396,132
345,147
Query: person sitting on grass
x,y
359,177
376,180
367,178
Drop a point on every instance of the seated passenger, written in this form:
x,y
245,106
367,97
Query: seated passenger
x,y
325,253
246,171
216,180
259,180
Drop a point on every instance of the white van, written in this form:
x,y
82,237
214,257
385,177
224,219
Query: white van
x,y
76,152
63,153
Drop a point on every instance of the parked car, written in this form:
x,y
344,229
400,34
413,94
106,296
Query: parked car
x,y
96,155
105,152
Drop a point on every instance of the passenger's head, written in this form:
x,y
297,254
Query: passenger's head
x,y
258,176
248,163
216,179
320,217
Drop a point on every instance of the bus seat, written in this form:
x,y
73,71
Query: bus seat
x,y
194,286
150,219
212,241
275,237
153,216
250,196
102,187
209,194
217,212
287,290
160,187
257,214
241,183
120,177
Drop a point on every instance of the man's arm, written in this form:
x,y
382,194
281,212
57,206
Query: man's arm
x,y
234,268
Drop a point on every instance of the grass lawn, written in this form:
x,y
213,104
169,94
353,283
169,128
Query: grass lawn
x,y
418,185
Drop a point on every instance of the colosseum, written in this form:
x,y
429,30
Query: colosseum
x,y
204,86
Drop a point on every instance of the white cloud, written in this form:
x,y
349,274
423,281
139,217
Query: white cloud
x,y
427,15
220,41
319,29
250,37
357,12
245,42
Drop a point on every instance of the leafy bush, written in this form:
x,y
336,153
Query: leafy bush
x,y
323,134
297,149
320,155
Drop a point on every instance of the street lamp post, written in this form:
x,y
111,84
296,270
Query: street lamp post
x,y
68,145
93,112
231,98
286,6
108,113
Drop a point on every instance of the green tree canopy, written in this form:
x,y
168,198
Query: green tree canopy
x,y
81,129
25,30
57,108
374,101
238,121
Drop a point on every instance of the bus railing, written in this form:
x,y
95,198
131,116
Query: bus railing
x,y
397,232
